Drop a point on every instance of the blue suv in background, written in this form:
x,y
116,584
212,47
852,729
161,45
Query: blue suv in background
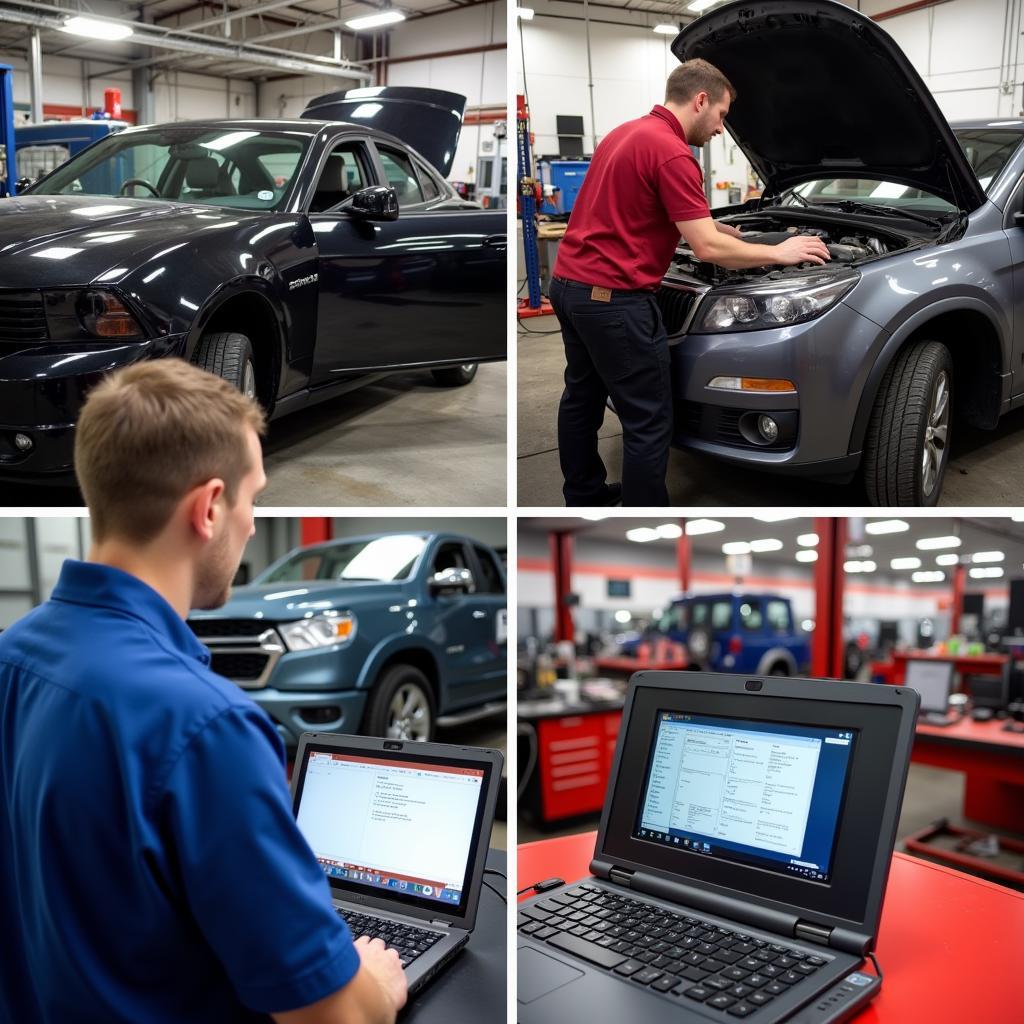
x,y
381,634
742,632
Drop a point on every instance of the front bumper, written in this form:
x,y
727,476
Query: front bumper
x,y
827,358
296,713
42,389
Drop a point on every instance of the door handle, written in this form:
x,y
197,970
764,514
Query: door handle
x,y
479,615
496,242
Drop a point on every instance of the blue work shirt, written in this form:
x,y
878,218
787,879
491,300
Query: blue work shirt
x,y
150,866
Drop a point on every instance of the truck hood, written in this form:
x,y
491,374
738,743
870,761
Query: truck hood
x,y
55,241
824,92
429,120
283,602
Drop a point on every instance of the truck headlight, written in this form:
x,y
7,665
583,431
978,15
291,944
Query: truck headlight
x,y
772,304
89,315
327,629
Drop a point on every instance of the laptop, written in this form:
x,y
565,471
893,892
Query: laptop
x,y
401,830
741,860
933,680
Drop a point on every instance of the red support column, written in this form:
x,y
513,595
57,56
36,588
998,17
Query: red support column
x,y
827,642
683,558
561,561
959,583
314,529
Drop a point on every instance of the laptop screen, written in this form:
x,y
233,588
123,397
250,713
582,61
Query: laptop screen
x,y
766,794
402,826
933,680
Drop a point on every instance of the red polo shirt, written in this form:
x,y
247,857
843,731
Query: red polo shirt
x,y
642,179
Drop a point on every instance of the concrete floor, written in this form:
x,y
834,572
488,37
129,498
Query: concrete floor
x,y
986,467
399,442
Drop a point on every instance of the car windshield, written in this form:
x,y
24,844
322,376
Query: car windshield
x,y
376,559
242,169
987,151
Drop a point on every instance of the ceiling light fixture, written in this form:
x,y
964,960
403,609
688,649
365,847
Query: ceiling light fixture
x,y
666,29
807,556
935,543
807,540
905,563
886,526
95,28
767,544
376,20
695,527
642,534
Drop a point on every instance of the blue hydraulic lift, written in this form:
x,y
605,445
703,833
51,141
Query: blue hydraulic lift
x,y
7,179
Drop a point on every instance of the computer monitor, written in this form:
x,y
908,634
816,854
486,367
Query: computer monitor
x,y
933,680
989,691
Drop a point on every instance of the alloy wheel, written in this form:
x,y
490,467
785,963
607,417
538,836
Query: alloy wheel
x,y
409,714
249,380
935,434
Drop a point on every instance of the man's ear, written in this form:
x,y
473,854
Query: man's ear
x,y
700,101
205,506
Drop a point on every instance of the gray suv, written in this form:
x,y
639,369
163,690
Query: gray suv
x,y
863,364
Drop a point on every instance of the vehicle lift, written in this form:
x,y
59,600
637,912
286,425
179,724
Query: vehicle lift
x,y
8,174
529,202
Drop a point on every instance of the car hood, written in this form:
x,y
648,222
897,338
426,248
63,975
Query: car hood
x,y
429,120
77,240
280,602
824,92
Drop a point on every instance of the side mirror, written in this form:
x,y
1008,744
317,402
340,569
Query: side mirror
x,y
451,581
378,202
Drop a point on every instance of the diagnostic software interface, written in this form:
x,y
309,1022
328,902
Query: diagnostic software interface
x,y
402,826
767,794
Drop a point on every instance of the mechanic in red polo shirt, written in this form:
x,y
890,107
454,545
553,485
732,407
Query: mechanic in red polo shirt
x,y
643,189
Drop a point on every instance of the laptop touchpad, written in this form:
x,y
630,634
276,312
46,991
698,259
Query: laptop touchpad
x,y
540,974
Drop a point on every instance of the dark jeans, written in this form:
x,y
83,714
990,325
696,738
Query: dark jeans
x,y
617,348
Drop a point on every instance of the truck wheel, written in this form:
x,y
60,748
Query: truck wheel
x,y
401,706
907,445
455,376
779,669
698,646
228,355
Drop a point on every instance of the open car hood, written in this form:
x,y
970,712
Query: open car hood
x,y
428,120
823,92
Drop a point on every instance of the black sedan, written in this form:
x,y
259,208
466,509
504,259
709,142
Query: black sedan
x,y
297,259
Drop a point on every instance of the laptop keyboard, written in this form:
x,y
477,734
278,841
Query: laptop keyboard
x,y
407,941
681,956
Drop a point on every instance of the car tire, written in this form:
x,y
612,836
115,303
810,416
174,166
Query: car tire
x,y
698,646
906,450
229,356
401,706
455,376
779,669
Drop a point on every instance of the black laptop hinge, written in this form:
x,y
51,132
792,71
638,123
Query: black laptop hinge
x,y
812,933
621,876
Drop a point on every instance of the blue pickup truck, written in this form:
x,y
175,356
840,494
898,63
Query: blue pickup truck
x,y
740,632
384,635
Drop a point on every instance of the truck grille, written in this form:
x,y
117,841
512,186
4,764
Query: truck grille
x,y
238,666
22,317
242,650
227,627
676,305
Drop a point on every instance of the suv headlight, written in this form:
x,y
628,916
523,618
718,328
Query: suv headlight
x,y
774,304
89,315
324,630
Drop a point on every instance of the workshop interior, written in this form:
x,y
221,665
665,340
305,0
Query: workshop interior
x,y
892,132
730,715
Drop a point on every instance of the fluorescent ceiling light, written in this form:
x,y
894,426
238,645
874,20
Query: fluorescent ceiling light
x,y
768,544
860,551
701,5
526,13
642,534
736,547
669,531
929,576
949,559
666,30
886,526
376,20
935,543
988,556
860,566
695,527
987,572
776,517
94,28
905,563
807,540
807,556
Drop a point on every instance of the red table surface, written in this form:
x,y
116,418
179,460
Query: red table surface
x,y
951,946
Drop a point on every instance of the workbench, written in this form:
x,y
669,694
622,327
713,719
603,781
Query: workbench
x,y
895,670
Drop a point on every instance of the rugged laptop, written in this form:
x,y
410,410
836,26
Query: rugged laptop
x,y
933,680
401,830
741,860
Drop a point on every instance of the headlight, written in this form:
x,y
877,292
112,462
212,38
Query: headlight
x,y
324,630
774,304
88,315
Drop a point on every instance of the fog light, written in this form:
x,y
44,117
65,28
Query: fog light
x,y
320,716
23,442
768,428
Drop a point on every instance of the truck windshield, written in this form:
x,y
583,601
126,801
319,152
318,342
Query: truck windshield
x,y
240,169
377,559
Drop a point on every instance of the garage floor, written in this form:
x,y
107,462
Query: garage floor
x,y
986,467
399,442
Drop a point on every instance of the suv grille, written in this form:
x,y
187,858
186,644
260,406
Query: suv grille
x,y
22,317
228,627
239,666
675,305
718,424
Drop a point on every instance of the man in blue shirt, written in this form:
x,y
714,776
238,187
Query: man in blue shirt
x,y
150,866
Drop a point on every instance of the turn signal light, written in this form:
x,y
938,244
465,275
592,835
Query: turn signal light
x,y
759,384
105,316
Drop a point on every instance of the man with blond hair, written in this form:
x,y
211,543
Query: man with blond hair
x,y
643,190
150,866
